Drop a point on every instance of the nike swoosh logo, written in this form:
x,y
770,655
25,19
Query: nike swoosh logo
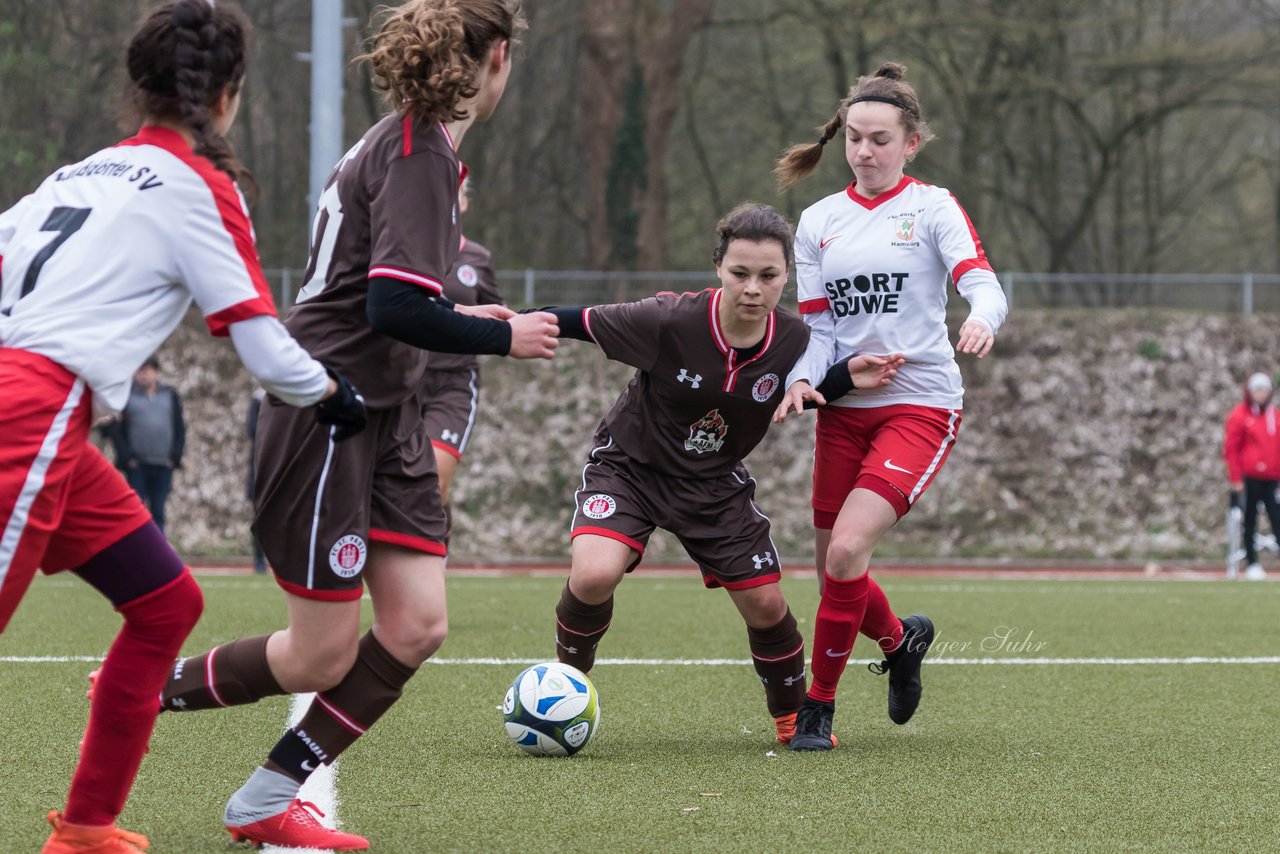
x,y
307,766
889,465
839,654
822,244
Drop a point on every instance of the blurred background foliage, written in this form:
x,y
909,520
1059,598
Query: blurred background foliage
x,y
1080,135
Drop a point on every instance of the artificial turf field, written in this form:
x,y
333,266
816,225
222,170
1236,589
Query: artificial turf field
x,y
1013,749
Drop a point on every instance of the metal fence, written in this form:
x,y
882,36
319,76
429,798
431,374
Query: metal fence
x,y
1243,293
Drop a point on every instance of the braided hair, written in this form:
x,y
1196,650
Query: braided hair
x,y
887,85
427,54
181,60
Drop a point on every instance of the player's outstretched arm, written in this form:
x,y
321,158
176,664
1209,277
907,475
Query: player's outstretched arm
x,y
406,312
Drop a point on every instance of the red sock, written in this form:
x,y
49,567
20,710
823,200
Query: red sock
x,y
125,699
839,615
880,623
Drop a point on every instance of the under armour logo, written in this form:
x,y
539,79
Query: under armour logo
x,y
694,381
792,680
761,560
177,703
449,436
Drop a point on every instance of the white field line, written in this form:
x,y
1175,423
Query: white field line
x,y
321,788
743,662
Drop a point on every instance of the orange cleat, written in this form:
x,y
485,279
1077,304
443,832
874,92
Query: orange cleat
x,y
81,839
786,726
296,827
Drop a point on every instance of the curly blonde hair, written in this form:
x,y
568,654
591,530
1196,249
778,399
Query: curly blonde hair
x,y
888,83
426,54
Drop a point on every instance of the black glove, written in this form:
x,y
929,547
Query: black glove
x,y
1235,498
344,410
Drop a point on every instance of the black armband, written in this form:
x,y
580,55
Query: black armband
x,y
405,312
835,385
569,318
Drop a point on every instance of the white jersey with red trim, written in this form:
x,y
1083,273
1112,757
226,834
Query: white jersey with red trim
x,y
871,277
99,264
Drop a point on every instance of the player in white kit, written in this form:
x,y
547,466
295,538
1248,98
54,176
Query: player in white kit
x,y
97,267
872,266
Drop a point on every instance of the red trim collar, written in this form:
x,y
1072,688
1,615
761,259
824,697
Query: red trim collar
x,y
161,137
872,204
722,342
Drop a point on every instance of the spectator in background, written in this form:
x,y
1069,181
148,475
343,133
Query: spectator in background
x,y
251,433
1251,446
150,437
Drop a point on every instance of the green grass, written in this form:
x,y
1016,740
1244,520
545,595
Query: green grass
x,y
1061,757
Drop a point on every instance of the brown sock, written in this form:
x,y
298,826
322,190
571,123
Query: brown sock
x,y
339,716
229,675
579,627
778,655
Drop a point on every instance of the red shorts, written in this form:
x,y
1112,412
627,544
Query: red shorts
x,y
61,502
894,451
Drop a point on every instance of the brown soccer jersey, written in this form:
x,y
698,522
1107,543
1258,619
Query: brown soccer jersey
x,y
389,209
470,282
692,409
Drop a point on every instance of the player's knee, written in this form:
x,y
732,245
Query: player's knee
x,y
849,553
325,674
171,612
592,582
413,636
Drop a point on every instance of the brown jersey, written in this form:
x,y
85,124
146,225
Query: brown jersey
x,y
470,282
390,210
693,409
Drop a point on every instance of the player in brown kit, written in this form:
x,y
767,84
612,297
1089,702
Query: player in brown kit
x,y
450,388
331,517
709,370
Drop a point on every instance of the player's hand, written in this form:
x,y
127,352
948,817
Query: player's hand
x,y
343,409
533,336
975,338
493,311
874,371
795,398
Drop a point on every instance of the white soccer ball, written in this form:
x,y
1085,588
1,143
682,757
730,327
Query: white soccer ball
x,y
551,710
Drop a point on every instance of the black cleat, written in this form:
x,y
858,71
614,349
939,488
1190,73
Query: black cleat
x,y
903,667
813,726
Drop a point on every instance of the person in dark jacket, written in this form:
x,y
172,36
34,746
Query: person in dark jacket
x,y
150,437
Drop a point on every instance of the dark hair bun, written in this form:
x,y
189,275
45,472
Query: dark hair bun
x,y
892,70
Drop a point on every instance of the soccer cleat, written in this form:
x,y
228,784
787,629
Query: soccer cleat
x,y
786,727
813,726
1255,572
903,667
296,827
81,839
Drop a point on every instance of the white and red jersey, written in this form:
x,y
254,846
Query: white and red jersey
x,y
99,264
872,278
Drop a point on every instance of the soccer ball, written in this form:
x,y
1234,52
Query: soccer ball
x,y
551,710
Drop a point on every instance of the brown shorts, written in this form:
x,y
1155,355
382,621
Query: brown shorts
x,y
318,503
450,400
715,519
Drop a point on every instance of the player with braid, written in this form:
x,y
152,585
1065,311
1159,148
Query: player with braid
x,y
98,266
872,266
669,454
331,518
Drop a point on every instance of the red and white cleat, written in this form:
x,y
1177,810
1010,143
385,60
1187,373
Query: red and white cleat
x,y
296,827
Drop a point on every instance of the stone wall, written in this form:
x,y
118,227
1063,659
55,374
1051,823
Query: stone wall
x,y
1086,435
